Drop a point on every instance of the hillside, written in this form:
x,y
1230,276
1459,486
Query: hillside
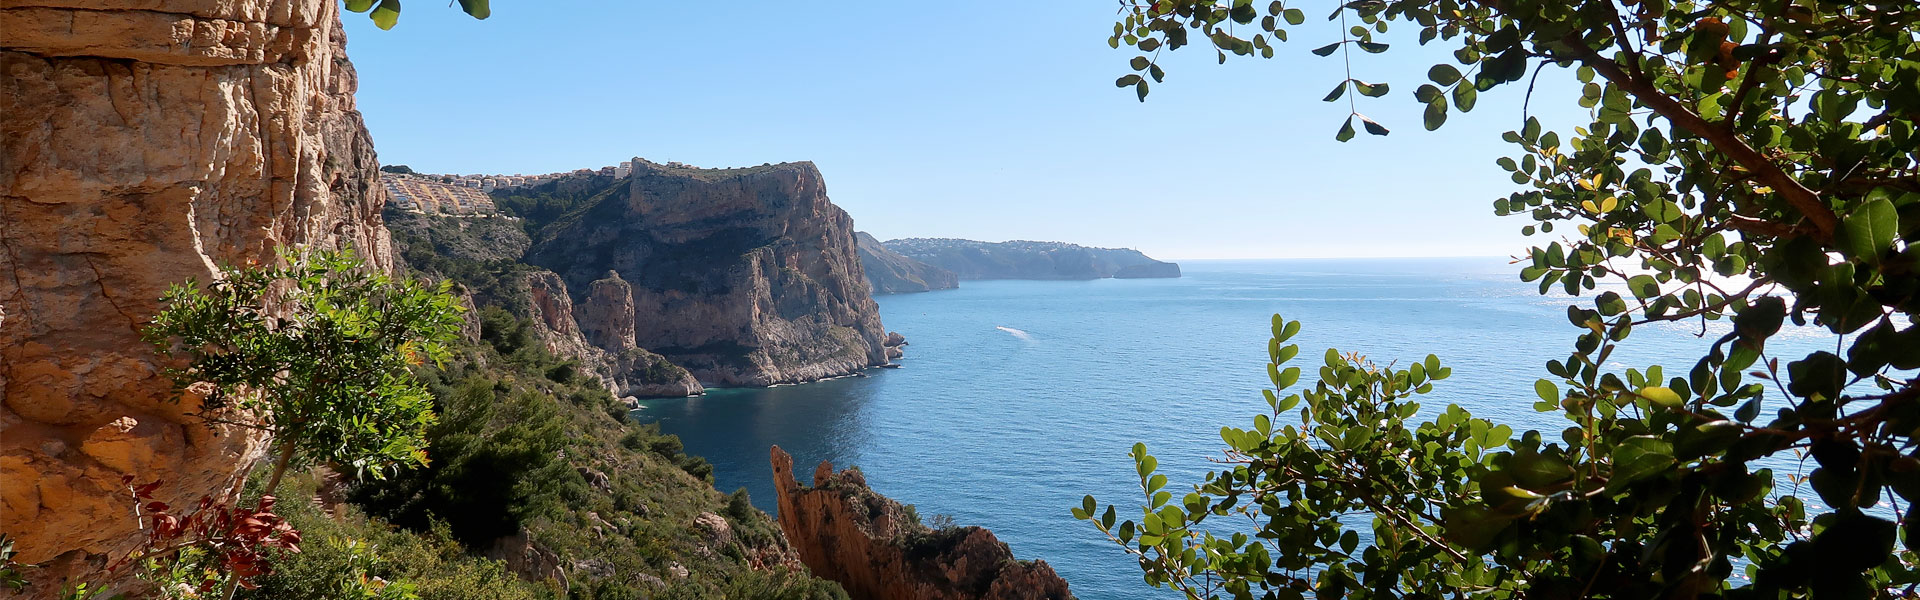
x,y
889,272
1031,260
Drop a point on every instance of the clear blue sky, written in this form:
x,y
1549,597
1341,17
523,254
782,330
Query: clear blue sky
x,y
941,119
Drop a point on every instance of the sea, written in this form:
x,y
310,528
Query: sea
x,y
1016,398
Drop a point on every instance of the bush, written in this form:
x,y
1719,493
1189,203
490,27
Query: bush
x,y
739,505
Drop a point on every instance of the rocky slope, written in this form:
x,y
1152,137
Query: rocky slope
x,y
868,543
1031,260
483,255
888,272
142,144
742,276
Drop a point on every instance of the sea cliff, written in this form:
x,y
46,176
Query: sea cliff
x,y
742,276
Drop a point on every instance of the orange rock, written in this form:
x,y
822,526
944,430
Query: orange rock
x,y
868,543
147,143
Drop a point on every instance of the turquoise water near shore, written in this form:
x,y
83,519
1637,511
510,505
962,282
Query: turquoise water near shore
x,y
1018,397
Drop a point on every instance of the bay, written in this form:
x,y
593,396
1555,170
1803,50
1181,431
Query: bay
x,y
1018,397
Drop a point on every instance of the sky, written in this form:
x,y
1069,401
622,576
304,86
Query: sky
x,y
944,119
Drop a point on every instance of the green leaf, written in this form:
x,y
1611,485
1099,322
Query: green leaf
x,y
1371,47
1288,377
1371,90
1643,286
1868,232
1547,391
387,14
1436,114
478,9
1534,471
1294,16
1443,74
359,6
1327,49
1661,396
1637,458
1346,131
1372,127
1338,91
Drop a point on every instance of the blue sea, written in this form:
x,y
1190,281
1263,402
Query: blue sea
x,y
1018,397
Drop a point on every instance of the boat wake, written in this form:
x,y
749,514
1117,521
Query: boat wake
x,y
1016,333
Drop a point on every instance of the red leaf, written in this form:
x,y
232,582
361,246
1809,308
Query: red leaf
x,y
157,507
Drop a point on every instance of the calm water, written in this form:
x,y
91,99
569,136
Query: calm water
x,y
1019,397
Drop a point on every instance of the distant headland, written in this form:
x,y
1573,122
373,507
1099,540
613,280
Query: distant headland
x,y
921,264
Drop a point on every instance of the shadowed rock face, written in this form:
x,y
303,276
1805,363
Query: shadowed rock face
x,y
140,148
743,276
889,272
845,532
626,369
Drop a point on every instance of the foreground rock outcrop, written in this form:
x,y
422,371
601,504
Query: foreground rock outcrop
x,y
1031,260
889,272
742,276
143,144
868,543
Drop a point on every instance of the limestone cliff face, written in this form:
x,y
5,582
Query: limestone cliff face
x,y
845,532
628,370
889,272
609,313
142,144
743,276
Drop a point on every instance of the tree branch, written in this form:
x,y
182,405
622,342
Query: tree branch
x,y
1802,198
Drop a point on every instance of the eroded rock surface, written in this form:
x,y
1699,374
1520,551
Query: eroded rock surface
x,y
143,144
743,276
626,369
845,532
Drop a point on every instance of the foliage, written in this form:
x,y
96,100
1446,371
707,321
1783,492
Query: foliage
x,y
496,465
512,453
316,353
386,13
401,169
210,547
10,575
1750,162
354,556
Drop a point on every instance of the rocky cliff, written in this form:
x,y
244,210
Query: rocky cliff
x,y
142,144
1031,260
599,342
889,272
742,276
868,543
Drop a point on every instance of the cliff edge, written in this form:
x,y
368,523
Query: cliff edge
x,y
870,545
745,277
